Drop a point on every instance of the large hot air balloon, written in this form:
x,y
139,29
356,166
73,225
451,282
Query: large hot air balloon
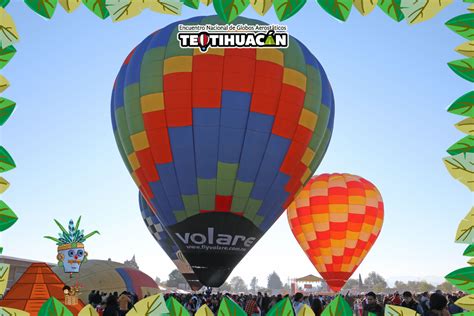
x,y
167,244
336,219
219,142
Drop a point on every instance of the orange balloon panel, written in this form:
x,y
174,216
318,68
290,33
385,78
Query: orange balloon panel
x,y
336,219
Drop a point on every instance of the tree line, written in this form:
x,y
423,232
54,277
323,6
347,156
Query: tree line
x,y
373,282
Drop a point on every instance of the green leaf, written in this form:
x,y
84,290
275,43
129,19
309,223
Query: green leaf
x,y
285,9
123,9
463,279
461,168
465,145
338,307
6,109
57,241
282,308
6,161
4,3
463,25
91,234
229,10
340,9
392,8
175,308
45,8
53,307
6,54
230,308
193,4
65,232
469,252
464,105
7,217
98,7
463,68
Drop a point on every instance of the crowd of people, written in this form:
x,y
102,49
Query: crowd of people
x,y
369,304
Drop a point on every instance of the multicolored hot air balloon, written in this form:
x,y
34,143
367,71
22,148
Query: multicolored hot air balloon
x,y
167,244
219,142
336,219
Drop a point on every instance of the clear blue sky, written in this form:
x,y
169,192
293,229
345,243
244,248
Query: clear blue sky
x,y
392,87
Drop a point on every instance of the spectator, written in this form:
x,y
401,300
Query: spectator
x,y
438,305
410,303
372,306
298,302
123,301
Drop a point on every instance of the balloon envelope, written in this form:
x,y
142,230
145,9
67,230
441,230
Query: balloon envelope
x,y
167,244
336,219
219,142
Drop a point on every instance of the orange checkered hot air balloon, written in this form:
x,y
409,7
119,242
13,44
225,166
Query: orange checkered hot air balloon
x,y
336,219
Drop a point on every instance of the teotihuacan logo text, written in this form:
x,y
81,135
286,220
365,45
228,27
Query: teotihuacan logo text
x,y
234,35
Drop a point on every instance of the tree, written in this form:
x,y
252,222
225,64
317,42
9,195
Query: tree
x,y
238,284
351,284
401,286
375,282
158,281
253,285
225,287
447,287
424,286
274,282
175,278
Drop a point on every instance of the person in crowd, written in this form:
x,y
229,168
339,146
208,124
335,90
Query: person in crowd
x,y
438,305
396,300
124,301
425,302
409,302
372,306
298,302
317,307
453,308
111,306
191,307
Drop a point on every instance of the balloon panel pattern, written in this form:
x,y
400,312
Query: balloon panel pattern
x,y
167,244
220,141
336,219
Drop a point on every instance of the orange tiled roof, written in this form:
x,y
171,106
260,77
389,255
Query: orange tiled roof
x,y
35,287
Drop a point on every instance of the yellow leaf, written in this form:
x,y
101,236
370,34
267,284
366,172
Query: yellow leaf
x,y
151,306
471,262
88,310
206,2
261,6
164,6
204,311
471,8
4,84
13,312
4,272
124,9
467,49
467,125
461,168
466,302
4,185
428,10
306,311
365,6
465,233
392,310
70,5
8,32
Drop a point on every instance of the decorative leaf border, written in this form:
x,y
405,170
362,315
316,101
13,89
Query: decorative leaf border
x,y
413,11
461,151
8,37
